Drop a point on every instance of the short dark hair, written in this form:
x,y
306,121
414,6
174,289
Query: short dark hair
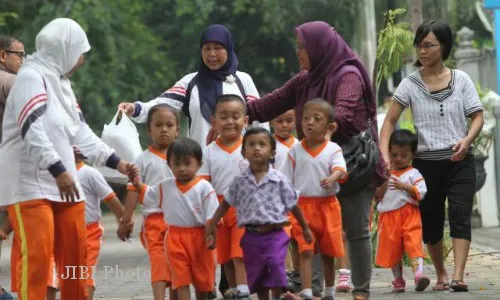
x,y
184,148
441,30
404,137
6,41
324,106
229,98
259,130
157,108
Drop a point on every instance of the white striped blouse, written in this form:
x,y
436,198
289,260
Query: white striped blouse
x,y
440,118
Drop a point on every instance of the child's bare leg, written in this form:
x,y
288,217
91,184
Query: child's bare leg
x,y
294,252
343,262
90,292
183,293
240,271
263,294
276,293
201,295
159,289
329,273
240,276
306,273
230,275
51,293
172,294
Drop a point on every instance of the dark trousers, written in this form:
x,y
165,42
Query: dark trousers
x,y
452,181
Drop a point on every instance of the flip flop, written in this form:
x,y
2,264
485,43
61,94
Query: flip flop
x,y
459,286
441,286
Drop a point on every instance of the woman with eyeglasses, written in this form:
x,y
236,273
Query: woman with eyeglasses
x,y
331,71
44,199
441,101
11,58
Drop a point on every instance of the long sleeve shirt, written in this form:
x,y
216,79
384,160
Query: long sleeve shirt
x,y
350,110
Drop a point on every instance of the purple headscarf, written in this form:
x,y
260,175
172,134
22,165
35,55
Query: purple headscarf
x,y
328,53
210,82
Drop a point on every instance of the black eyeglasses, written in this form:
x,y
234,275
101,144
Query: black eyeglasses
x,y
21,54
426,46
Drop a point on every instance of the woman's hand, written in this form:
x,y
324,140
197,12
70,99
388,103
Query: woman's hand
x,y
127,107
461,148
67,187
128,169
211,136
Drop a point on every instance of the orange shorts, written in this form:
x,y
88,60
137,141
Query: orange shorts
x,y
324,218
399,231
228,237
152,236
189,259
94,241
15,256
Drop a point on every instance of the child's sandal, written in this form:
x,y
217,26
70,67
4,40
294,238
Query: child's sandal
x,y
441,286
459,286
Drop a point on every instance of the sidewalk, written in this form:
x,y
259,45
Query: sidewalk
x,y
123,272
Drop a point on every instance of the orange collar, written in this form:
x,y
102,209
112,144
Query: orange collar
x,y
157,152
401,172
79,166
229,149
187,186
288,143
317,150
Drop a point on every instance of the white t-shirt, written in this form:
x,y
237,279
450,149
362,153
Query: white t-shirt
x,y
95,190
395,199
282,149
176,96
221,164
153,168
306,168
188,205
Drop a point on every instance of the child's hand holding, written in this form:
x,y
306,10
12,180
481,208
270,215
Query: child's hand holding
x,y
3,235
380,191
124,230
308,236
395,184
210,234
328,183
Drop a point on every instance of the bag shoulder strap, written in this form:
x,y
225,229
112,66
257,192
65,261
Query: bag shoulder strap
x,y
241,87
185,105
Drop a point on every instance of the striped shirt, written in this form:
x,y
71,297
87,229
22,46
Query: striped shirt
x,y
440,118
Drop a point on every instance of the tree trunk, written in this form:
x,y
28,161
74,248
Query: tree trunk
x,y
416,14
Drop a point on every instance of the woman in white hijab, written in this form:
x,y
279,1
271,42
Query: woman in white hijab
x,y
38,182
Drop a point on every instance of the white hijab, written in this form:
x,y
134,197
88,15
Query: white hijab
x,y
59,45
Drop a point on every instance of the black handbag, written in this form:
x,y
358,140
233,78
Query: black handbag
x,y
361,155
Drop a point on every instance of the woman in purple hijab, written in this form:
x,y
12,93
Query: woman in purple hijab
x,y
331,71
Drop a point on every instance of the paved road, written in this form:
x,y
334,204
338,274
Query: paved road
x,y
123,273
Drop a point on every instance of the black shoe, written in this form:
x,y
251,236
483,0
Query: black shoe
x,y
212,295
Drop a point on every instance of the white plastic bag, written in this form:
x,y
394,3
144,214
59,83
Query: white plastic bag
x,y
121,135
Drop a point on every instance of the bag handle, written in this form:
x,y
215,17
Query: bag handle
x,y
118,117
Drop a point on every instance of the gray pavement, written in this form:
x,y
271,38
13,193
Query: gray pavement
x,y
123,271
